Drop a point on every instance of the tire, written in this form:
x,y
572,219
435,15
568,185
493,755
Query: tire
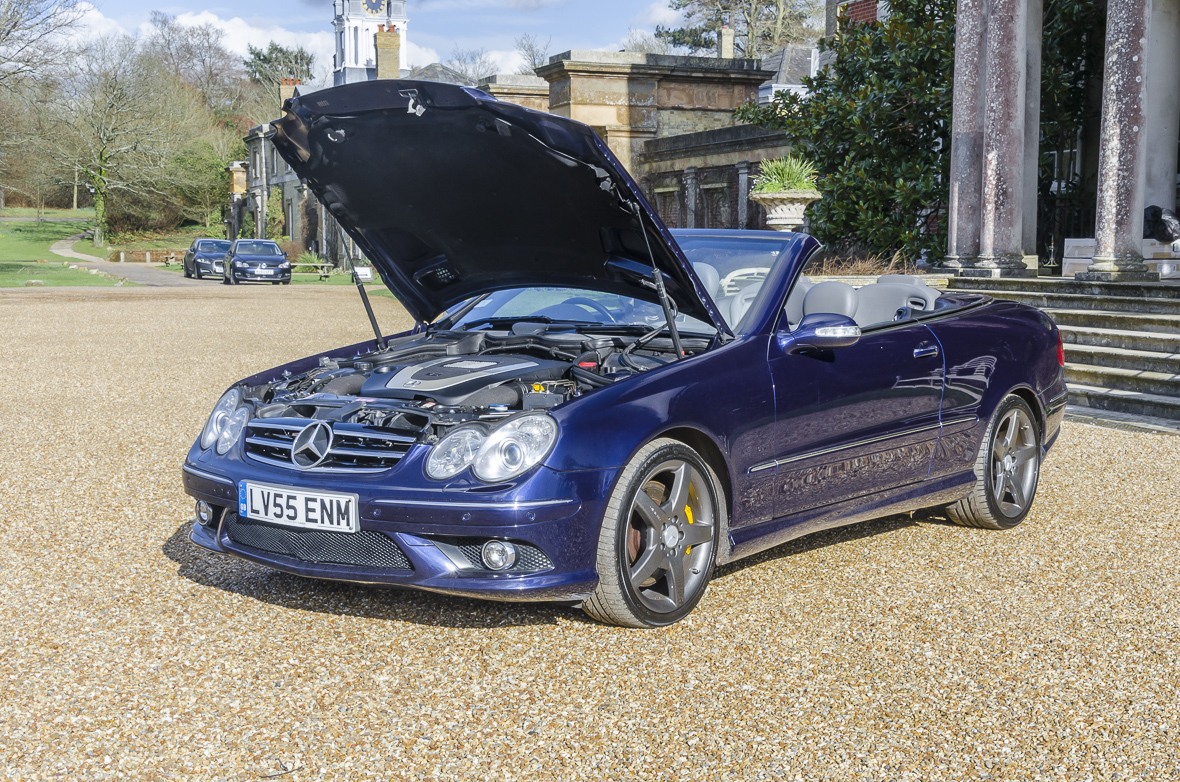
x,y
1007,470
276,282
645,548
225,280
197,272
184,270
286,282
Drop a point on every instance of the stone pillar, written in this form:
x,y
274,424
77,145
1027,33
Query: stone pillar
x,y
963,213
1001,235
1122,155
743,195
1032,130
691,192
1163,103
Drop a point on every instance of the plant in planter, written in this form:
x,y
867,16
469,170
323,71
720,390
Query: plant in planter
x,y
784,187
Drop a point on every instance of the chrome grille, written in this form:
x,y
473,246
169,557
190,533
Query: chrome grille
x,y
355,448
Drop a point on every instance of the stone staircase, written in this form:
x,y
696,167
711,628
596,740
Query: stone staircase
x,y
1122,340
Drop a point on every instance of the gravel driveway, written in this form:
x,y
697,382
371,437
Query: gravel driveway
x,y
897,649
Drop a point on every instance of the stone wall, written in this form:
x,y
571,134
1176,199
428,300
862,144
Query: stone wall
x,y
703,180
631,97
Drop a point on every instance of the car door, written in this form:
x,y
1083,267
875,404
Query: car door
x,y
190,262
855,420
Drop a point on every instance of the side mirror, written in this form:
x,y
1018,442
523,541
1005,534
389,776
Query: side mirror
x,y
820,331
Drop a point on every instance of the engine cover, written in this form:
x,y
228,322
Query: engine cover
x,y
452,379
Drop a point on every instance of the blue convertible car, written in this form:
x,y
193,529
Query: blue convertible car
x,y
592,409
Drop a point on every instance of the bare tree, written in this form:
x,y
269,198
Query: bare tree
x,y
121,118
533,52
473,65
31,35
196,55
645,42
760,26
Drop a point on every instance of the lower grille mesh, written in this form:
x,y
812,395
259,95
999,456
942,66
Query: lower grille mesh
x,y
360,549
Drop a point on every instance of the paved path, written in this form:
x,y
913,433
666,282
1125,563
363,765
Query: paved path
x,y
135,272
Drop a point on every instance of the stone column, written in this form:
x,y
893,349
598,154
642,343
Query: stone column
x,y
963,212
691,191
1163,103
1122,154
1032,129
1001,235
743,195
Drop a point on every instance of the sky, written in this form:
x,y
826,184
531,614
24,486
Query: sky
x,y
436,26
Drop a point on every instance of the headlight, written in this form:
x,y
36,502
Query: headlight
x,y
454,453
285,265
225,408
240,264
511,449
232,430
514,447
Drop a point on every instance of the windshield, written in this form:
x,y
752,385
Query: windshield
x,y
257,248
733,268
212,246
570,305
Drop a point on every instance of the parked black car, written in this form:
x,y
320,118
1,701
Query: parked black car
x,y
205,257
256,260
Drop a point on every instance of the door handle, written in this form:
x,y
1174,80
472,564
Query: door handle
x,y
926,351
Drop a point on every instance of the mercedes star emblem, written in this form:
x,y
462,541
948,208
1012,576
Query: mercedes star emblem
x,y
312,445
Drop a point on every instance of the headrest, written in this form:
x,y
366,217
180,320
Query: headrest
x,y
708,276
898,279
834,297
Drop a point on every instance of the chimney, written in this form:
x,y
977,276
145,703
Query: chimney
x,y
725,44
388,42
287,89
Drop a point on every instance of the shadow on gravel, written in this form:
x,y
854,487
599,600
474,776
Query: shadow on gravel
x,y
819,540
332,597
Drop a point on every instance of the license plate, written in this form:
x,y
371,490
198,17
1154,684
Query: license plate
x,y
292,507
264,271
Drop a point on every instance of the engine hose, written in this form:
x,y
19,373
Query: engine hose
x,y
589,378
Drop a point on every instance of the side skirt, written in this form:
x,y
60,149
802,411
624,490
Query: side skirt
x,y
942,491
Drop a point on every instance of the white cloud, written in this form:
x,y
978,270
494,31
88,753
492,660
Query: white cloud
x,y
92,24
240,35
657,13
506,62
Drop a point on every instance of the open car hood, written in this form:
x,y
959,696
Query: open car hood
x,y
452,193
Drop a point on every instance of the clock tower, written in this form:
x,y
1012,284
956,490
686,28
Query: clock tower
x,y
355,26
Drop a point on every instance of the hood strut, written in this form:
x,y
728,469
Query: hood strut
x,y
368,307
665,302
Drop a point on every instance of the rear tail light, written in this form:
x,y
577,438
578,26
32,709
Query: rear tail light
x,y
1060,349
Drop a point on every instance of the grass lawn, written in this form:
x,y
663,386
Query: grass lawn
x,y
177,240
30,241
21,211
14,275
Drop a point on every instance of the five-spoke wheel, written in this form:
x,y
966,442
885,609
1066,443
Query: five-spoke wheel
x,y
658,541
1007,470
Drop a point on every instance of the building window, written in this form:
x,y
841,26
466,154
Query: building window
x,y
356,45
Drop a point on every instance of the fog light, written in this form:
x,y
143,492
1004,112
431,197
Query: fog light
x,y
204,512
498,554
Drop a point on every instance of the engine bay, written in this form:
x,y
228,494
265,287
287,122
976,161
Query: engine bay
x,y
425,384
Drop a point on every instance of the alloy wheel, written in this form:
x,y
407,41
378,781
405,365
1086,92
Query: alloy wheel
x,y
669,538
1015,463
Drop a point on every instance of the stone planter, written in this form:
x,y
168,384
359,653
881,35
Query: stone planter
x,y
784,209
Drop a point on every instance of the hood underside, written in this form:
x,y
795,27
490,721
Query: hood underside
x,y
452,194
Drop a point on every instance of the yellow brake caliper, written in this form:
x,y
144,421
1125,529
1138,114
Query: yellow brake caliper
x,y
688,513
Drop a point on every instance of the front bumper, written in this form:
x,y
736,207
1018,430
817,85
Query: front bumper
x,y
252,275
208,266
565,529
